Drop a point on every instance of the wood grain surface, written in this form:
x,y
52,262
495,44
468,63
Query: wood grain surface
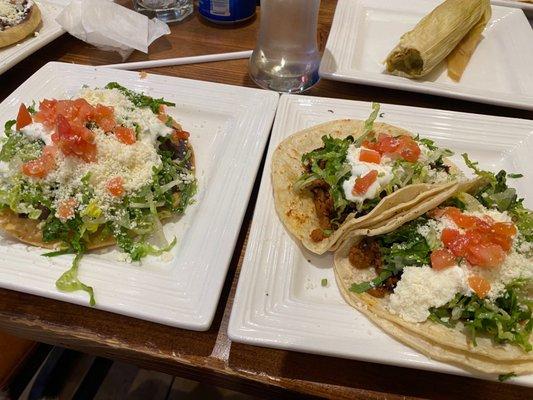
x,y
210,356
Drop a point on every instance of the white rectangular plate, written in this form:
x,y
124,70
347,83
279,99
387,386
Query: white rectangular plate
x,y
280,301
365,31
527,7
48,31
229,127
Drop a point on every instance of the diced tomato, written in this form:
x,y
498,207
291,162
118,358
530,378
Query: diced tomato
x,y
441,259
402,146
460,219
125,135
115,186
105,117
409,149
371,156
455,241
74,139
388,144
41,166
23,117
505,242
47,113
67,209
178,135
485,254
503,228
369,145
479,285
363,183
448,236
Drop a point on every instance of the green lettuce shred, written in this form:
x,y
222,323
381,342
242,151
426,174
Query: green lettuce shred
x,y
69,282
139,99
496,194
505,320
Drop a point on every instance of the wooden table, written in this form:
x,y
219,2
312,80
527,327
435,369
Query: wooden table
x,y
210,356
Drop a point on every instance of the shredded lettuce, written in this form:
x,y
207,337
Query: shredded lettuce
x,y
400,248
505,320
139,99
16,145
497,194
69,282
328,164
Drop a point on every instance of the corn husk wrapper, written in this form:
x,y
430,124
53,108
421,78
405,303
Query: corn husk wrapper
x,y
437,35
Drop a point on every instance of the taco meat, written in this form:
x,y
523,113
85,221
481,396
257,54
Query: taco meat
x,y
367,254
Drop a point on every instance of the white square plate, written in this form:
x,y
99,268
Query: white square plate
x,y
48,31
280,301
365,31
527,7
229,127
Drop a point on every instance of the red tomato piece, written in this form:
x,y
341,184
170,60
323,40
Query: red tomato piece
x,y
75,140
47,113
455,241
178,135
371,156
442,259
23,117
388,144
503,228
125,135
115,186
41,166
462,220
67,209
479,285
370,145
408,149
485,254
105,117
363,183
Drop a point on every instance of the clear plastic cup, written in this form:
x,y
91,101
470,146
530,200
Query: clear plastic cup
x,y
286,57
165,10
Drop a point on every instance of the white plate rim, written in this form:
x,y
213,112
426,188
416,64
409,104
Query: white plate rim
x,y
242,327
199,314
337,31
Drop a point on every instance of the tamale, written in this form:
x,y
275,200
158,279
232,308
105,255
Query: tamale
x,y
460,55
437,35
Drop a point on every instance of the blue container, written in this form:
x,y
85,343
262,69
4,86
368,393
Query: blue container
x,y
227,11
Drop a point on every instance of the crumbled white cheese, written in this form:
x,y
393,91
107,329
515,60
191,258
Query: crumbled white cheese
x,y
515,266
13,12
496,215
127,114
133,163
37,131
361,168
422,288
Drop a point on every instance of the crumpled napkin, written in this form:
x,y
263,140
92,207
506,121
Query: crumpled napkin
x,y
110,26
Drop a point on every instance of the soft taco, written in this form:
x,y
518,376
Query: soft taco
x,y
455,283
100,169
344,175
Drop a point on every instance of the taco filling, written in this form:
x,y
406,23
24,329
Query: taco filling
x,y
105,167
467,263
352,175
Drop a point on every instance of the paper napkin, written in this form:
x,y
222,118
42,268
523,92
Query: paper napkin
x,y
110,26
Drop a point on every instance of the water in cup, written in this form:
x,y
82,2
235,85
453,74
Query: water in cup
x,y
286,57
